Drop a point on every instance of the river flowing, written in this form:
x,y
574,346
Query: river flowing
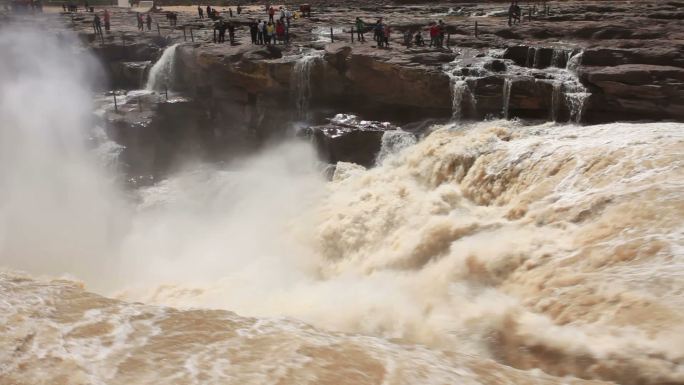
x,y
486,253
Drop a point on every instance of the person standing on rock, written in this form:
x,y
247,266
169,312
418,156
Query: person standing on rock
x,y
209,12
270,33
288,17
271,14
239,9
138,16
254,31
419,39
360,29
434,34
442,33
231,32
107,20
377,32
230,12
222,31
280,31
97,25
513,13
200,12
261,27
149,21
386,34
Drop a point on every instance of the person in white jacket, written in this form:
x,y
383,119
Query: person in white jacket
x,y
260,33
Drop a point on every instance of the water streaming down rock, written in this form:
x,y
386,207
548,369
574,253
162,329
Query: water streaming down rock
x,y
301,82
559,59
568,96
161,75
461,93
461,74
556,100
574,61
506,94
575,93
393,142
576,97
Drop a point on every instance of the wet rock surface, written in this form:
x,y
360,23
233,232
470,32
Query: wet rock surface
x,y
347,138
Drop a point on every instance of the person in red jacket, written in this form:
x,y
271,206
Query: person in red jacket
x,y
434,34
107,20
280,31
386,35
271,13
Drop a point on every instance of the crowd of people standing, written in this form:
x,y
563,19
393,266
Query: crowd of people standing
x,y
382,32
275,28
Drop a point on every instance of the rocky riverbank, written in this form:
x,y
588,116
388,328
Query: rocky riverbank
x,y
585,62
628,60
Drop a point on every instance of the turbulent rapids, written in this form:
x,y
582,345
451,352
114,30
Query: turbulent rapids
x,y
484,253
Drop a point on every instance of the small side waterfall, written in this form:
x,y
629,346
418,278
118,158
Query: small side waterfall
x,y
508,83
556,100
301,82
531,56
460,92
568,92
576,97
576,94
574,62
162,72
559,59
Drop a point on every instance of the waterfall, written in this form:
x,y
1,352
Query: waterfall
x,y
531,56
576,94
556,99
394,141
559,59
162,72
537,58
508,83
460,89
301,82
576,97
574,61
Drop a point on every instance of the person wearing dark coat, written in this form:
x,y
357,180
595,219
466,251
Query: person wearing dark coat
x,y
231,32
254,31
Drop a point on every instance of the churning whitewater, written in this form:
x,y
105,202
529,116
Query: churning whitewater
x,y
489,253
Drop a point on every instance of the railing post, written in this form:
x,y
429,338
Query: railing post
x,y
116,106
476,32
332,38
352,35
158,29
192,36
185,37
166,92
